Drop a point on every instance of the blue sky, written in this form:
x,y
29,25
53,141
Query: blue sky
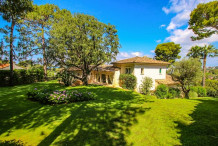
x,y
141,24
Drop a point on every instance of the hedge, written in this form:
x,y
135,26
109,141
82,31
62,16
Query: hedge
x,y
21,76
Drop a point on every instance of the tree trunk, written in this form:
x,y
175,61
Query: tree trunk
x,y
44,55
85,79
204,69
11,52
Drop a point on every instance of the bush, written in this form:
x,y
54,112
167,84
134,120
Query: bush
x,y
211,92
66,77
192,94
212,84
161,91
48,96
173,92
128,81
22,76
201,91
146,85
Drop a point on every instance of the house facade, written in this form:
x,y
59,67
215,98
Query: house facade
x,y
138,66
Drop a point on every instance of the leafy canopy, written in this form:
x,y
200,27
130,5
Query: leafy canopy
x,y
83,42
35,29
168,52
203,20
200,52
13,10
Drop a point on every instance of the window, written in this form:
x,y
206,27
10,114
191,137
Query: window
x,y
127,70
142,71
160,70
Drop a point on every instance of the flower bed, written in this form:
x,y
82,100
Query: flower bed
x,y
49,96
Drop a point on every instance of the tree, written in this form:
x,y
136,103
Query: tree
x,y
35,32
203,20
83,42
203,53
187,72
167,52
146,85
13,11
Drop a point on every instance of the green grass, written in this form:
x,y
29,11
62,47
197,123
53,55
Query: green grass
x,y
117,117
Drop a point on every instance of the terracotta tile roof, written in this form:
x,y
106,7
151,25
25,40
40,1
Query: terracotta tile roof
x,y
4,65
140,60
168,81
99,68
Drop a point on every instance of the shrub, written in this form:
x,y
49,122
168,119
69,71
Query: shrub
x,y
128,81
192,94
161,91
22,76
66,77
211,92
201,91
146,85
173,92
212,84
48,96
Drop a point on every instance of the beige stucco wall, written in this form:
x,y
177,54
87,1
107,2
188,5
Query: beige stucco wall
x,y
151,71
116,78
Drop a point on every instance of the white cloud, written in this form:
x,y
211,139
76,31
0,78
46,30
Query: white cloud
x,y
182,8
182,36
162,25
152,51
158,41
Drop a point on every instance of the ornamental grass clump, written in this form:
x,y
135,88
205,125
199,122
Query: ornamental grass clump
x,y
48,96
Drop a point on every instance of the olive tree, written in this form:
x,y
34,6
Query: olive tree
x,y
187,72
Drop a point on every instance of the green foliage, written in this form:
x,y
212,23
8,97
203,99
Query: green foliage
x,y
212,88
49,96
94,42
146,85
168,52
201,91
12,143
187,72
162,91
34,74
212,74
66,77
173,93
203,20
34,38
14,10
192,94
211,92
212,84
128,81
201,52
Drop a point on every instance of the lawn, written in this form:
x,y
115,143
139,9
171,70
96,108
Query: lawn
x,y
116,117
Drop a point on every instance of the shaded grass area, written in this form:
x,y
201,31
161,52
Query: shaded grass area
x,y
117,117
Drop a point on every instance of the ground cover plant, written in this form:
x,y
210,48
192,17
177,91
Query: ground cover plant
x,y
115,117
50,96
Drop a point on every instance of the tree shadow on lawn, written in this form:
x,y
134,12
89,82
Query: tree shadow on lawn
x,y
204,129
104,121
15,107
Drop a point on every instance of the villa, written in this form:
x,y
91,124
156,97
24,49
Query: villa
x,y
139,66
